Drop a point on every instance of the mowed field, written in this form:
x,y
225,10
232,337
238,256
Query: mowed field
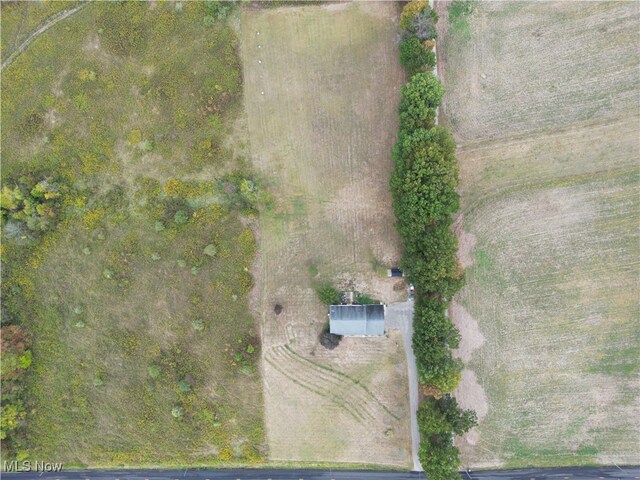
x,y
543,99
321,85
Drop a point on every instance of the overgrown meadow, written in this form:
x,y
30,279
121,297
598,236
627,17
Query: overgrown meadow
x,y
127,241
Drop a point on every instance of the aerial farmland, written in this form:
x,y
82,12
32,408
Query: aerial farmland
x,y
547,132
319,239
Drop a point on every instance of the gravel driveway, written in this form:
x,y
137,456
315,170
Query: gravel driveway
x,y
400,316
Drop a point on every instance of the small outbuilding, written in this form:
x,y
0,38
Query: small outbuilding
x,y
357,320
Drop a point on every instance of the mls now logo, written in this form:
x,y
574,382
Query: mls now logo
x,y
29,466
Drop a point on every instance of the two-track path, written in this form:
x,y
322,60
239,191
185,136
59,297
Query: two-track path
x,y
43,27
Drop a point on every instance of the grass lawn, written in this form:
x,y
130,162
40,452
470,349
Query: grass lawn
x,y
136,301
321,86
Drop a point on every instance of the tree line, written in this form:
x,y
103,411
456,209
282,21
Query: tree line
x,y
423,186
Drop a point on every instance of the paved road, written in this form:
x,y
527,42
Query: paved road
x,y
609,473
400,316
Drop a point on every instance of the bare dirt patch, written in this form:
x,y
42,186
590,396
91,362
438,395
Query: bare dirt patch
x,y
466,243
472,338
321,89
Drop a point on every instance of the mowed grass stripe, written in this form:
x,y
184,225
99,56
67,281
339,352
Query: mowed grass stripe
x,y
313,386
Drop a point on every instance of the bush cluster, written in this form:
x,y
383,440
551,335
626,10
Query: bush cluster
x,y
30,206
328,294
16,358
423,186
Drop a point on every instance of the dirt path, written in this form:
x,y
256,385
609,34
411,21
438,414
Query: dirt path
x,y
43,27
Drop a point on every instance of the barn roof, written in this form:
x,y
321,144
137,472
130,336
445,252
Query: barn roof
x,y
356,319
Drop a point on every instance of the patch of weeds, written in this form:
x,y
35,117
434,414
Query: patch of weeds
x,y
459,13
327,293
363,299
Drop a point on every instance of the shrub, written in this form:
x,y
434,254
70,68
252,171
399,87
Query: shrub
x,y
424,25
219,10
198,325
330,340
184,386
154,371
327,339
363,299
242,192
328,294
181,217
177,412
410,11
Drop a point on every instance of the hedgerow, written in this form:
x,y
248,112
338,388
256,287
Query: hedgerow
x,y
423,187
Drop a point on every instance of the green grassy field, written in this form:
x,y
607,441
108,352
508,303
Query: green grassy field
x,y
144,349
548,149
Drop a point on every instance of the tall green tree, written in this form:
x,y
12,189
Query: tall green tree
x,y
425,180
418,101
415,57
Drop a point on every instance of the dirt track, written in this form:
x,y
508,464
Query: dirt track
x,y
46,25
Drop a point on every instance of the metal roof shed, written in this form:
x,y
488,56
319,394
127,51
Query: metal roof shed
x,y
357,320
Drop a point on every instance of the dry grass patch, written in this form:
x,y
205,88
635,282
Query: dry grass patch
x,y
321,89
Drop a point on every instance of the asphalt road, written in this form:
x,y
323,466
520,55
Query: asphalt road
x,y
303,474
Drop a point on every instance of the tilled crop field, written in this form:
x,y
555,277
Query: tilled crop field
x,y
543,99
